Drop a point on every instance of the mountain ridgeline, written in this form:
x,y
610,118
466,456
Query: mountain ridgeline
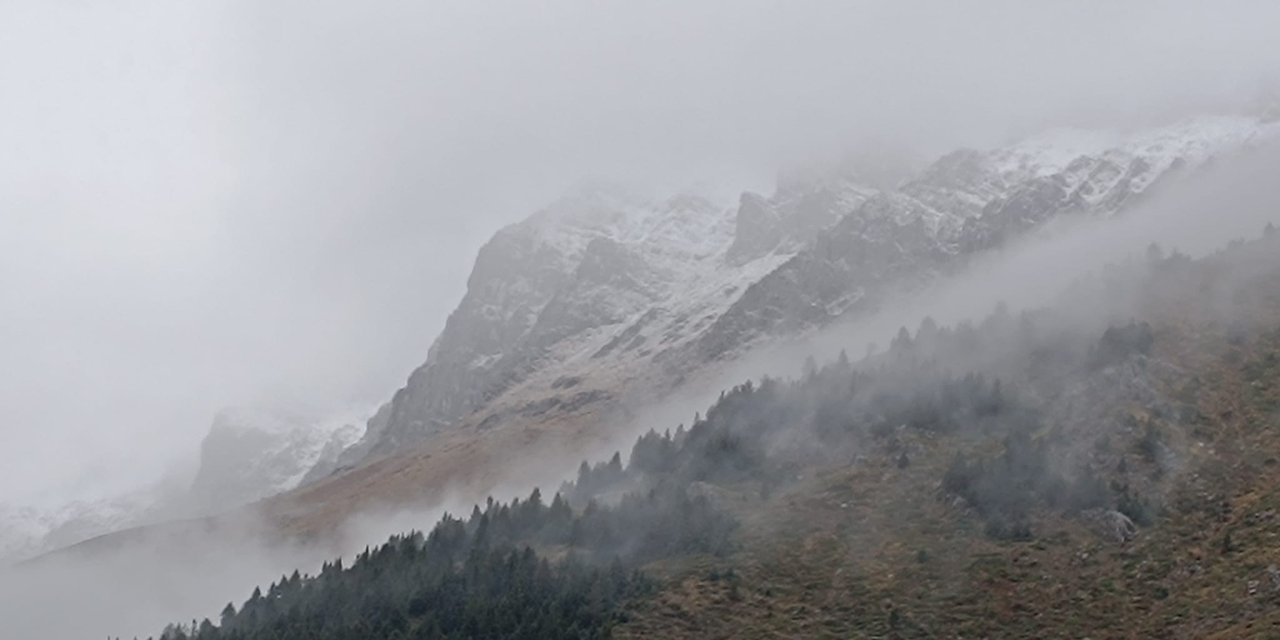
x,y
1089,424
606,293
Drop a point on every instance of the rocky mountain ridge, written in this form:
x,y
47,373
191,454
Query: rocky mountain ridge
x,y
603,289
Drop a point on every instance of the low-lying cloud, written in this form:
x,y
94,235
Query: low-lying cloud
x,y
220,203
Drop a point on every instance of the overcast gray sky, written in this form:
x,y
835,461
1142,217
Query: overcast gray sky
x,y
205,204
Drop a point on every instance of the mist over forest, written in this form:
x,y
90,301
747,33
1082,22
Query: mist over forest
x,y
683,320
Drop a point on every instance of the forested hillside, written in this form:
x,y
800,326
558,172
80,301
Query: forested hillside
x,y
1109,459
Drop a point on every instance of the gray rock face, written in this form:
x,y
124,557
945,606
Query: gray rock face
x,y
28,531
603,281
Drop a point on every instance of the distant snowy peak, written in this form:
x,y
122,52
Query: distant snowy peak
x,y
254,452
26,531
248,454
23,530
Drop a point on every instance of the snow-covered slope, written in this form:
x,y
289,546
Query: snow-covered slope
x,y
605,287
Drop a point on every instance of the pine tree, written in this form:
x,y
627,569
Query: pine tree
x,y
228,614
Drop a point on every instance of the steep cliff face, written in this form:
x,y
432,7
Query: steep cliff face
x,y
606,287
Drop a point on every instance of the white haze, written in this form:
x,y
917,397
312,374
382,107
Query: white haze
x,y
205,204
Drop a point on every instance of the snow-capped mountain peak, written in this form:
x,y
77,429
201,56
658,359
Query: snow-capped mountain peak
x,y
250,452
